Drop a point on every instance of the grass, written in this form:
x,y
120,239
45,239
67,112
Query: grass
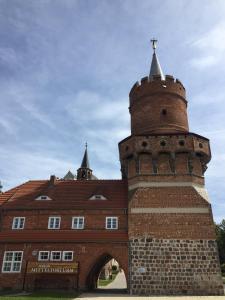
x,y
105,282
42,295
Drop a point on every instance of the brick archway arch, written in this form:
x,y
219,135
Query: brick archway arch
x,y
92,278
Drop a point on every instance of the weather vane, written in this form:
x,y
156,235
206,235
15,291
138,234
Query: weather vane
x,y
154,42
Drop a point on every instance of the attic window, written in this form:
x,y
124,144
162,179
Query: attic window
x,y
43,197
98,197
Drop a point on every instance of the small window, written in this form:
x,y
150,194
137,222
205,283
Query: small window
x,y
43,197
111,222
43,255
164,112
200,145
56,255
163,143
54,222
18,223
78,223
181,143
67,256
98,197
144,144
12,261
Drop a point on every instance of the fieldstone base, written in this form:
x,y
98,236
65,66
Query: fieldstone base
x,y
174,267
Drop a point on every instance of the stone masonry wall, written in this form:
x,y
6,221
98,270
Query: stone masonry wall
x,y
172,266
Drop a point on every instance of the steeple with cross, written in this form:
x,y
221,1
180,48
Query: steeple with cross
x,y
155,65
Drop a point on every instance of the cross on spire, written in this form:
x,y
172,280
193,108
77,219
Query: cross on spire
x,y
154,42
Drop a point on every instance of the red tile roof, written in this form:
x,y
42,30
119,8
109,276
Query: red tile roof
x,y
66,194
62,236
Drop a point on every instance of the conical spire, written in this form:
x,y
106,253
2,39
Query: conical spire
x,y
84,172
155,65
85,161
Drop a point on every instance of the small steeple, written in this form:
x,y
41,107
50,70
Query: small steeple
x,y
85,161
155,65
84,172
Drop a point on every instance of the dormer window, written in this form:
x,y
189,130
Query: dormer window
x,y
43,197
97,197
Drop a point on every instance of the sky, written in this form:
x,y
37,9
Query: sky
x,y
66,69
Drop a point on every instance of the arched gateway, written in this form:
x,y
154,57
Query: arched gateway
x,y
93,276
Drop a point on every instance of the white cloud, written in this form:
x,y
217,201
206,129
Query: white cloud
x,y
91,106
211,47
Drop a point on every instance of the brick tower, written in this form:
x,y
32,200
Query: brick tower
x,y
172,247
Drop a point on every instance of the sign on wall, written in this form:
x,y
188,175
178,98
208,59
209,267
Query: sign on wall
x,y
52,268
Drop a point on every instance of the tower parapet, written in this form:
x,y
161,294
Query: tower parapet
x,y
158,106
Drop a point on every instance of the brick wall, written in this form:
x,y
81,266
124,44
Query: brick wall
x,y
38,219
87,254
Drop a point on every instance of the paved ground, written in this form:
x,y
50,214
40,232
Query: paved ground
x,y
101,296
118,283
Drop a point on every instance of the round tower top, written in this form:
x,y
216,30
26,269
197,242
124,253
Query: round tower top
x,y
158,103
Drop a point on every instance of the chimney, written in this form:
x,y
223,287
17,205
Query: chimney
x,y
52,180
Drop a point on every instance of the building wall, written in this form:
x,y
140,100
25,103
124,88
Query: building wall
x,y
86,254
38,219
174,266
172,243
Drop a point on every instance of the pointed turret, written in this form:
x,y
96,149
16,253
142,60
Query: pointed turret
x,y
85,172
155,65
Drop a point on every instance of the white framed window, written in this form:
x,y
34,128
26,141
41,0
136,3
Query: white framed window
x,y
111,223
67,256
56,255
43,255
54,222
78,223
18,223
12,261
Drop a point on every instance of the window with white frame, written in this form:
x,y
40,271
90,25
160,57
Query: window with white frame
x,y
67,256
56,255
43,255
54,222
18,223
12,261
78,223
111,223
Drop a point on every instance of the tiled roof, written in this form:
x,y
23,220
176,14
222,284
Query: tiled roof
x,y
62,236
67,194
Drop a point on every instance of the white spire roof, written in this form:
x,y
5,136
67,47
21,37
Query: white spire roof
x,y
155,65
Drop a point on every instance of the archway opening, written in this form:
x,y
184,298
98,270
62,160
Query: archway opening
x,y
107,275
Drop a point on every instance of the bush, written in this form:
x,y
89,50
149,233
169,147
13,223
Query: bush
x,y
223,269
114,268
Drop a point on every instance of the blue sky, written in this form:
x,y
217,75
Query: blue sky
x,y
66,68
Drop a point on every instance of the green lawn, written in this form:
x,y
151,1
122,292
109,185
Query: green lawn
x,y
102,282
42,295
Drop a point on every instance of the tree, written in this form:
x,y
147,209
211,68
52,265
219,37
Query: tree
x,y
220,237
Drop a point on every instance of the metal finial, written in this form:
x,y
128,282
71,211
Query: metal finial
x,y
154,42
86,145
